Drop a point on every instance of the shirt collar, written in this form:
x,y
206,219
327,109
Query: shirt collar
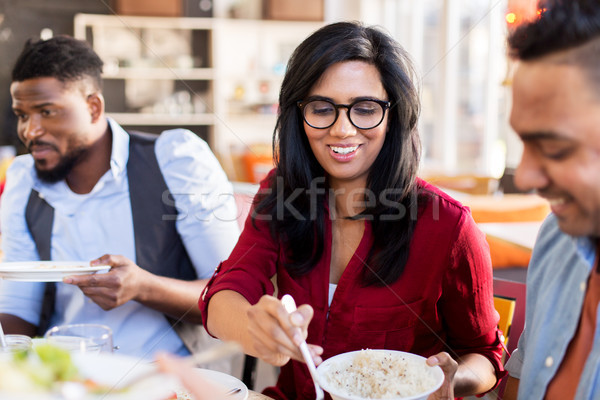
x,y
586,248
120,149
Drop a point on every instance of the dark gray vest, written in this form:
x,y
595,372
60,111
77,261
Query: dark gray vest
x,y
158,247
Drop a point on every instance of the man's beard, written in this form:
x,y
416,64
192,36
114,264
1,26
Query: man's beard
x,y
64,167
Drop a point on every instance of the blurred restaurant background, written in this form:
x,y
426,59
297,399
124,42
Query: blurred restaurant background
x,y
215,67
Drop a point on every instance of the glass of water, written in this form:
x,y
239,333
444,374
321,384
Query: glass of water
x,y
81,338
15,343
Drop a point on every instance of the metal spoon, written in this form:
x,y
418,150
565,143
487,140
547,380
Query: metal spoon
x,y
232,392
3,343
290,306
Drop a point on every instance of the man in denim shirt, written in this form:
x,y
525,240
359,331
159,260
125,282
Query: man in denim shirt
x,y
556,113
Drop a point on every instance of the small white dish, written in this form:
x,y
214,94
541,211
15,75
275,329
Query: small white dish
x,y
47,271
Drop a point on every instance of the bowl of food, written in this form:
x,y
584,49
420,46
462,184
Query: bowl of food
x,y
379,374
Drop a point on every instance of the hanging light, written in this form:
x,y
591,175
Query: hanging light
x,y
521,11
511,18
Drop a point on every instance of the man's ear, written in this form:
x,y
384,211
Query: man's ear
x,y
96,106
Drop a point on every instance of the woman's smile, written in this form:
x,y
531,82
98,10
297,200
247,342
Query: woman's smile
x,y
343,153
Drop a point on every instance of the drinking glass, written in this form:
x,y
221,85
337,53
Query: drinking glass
x,y
15,343
81,338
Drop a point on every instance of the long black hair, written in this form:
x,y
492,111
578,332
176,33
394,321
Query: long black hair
x,y
294,203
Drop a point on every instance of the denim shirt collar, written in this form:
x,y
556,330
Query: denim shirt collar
x,y
586,248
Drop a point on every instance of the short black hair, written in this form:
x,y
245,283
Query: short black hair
x,y
562,25
62,57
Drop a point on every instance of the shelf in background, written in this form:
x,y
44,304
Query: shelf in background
x,y
161,73
82,20
223,84
163,119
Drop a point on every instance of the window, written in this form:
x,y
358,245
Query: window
x,y
459,49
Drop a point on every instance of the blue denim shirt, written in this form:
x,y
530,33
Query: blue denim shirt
x,y
556,286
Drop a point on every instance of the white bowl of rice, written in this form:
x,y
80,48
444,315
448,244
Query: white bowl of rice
x,y
379,374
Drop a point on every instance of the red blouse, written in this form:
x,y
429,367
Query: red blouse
x,y
443,301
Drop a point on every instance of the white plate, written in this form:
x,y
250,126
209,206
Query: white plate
x,y
219,379
111,369
47,271
108,370
106,373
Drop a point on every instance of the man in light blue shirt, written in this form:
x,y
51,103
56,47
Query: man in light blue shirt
x,y
556,113
159,211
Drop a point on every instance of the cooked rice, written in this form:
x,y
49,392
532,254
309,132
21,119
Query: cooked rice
x,y
183,395
381,375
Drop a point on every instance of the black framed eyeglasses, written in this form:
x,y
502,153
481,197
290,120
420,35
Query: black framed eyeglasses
x,y
362,113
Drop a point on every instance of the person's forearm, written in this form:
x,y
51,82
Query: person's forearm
x,y
174,297
15,325
228,318
475,375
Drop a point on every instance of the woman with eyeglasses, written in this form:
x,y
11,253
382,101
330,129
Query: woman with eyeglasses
x,y
374,256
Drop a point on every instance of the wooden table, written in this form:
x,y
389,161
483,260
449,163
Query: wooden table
x,y
252,395
511,223
521,234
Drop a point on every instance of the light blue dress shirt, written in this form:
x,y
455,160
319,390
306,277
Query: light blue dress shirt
x,y
556,285
87,226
